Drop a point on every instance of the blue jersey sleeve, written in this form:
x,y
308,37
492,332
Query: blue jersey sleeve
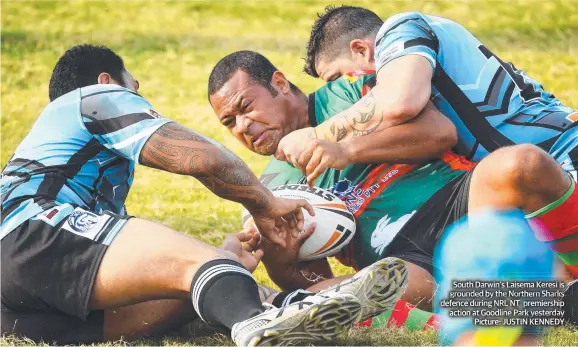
x,y
119,119
404,34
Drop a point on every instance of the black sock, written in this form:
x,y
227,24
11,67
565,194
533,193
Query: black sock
x,y
224,293
287,298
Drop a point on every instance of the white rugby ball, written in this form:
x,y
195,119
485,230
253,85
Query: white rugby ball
x,y
335,224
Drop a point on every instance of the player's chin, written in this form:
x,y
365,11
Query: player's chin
x,y
267,149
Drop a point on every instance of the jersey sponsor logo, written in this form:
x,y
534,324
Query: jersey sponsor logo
x,y
342,188
390,51
320,192
52,213
572,117
385,231
357,197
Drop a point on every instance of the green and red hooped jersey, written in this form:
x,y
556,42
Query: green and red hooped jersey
x,y
382,197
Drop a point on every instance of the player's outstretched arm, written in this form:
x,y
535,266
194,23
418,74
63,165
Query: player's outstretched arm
x,y
403,89
177,149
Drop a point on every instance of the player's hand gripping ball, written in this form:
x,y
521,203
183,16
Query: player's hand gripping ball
x,y
335,225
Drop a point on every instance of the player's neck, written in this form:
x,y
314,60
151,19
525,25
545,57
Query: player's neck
x,y
299,108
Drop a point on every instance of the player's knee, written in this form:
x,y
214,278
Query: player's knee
x,y
192,267
517,166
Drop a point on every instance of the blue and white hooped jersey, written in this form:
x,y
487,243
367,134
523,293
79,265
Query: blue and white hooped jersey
x,y
491,103
81,151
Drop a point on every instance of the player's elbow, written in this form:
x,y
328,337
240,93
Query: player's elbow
x,y
403,105
403,110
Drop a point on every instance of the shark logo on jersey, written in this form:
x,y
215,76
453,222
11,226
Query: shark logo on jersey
x,y
82,221
385,231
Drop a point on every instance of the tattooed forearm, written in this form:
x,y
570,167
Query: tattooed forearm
x,y
360,119
338,131
366,110
358,132
266,293
179,150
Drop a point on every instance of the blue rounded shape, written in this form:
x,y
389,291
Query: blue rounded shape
x,y
487,246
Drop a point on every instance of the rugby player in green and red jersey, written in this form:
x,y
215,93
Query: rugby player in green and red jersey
x,y
401,208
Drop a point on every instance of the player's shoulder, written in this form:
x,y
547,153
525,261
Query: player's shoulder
x,y
401,18
105,91
111,100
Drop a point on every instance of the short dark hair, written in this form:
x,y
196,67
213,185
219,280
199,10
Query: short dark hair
x,y
80,66
334,29
254,64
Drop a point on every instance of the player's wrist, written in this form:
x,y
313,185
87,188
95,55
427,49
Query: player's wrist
x,y
349,151
264,205
323,132
313,133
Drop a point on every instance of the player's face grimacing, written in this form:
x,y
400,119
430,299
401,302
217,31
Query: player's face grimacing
x,y
253,114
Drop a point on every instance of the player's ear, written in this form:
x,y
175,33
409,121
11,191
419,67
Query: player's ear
x,y
105,78
361,50
280,82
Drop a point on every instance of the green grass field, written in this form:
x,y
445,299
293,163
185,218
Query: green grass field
x,y
171,48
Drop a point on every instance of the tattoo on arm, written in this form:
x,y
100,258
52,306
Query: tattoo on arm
x,y
179,150
357,126
338,131
357,132
366,109
266,292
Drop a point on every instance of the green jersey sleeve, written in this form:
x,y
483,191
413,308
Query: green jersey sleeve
x,y
278,173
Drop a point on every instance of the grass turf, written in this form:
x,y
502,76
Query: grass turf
x,y
171,48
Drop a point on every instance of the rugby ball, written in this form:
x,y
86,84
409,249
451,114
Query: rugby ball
x,y
335,225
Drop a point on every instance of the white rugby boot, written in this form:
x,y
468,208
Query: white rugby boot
x,y
377,287
316,318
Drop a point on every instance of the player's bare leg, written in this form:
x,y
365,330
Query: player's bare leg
x,y
527,178
511,179
148,261
521,176
148,318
